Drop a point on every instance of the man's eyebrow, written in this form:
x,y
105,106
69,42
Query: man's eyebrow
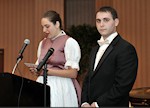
x,y
98,19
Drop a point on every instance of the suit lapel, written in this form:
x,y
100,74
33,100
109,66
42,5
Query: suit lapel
x,y
107,52
109,49
94,56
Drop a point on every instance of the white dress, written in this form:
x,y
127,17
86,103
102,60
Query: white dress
x,y
62,93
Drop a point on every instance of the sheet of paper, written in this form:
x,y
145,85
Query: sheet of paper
x,y
30,65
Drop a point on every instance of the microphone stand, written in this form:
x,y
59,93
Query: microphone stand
x,y
18,60
45,82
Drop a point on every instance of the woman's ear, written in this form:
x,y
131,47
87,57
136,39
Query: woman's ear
x,y
57,24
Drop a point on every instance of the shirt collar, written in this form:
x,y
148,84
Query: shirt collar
x,y
60,34
108,40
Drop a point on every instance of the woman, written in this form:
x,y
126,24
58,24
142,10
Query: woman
x,y
62,65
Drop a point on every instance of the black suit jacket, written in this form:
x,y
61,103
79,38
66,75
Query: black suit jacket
x,y
113,78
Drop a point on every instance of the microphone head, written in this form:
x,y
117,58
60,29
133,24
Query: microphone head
x,y
51,49
27,41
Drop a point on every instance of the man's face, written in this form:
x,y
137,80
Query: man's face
x,y
105,23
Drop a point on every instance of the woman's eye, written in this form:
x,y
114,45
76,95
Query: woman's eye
x,y
47,26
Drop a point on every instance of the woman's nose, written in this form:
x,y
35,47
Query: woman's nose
x,y
44,30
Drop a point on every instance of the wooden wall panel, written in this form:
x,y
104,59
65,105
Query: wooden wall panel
x,y
134,27
20,20
15,20
99,3
1,60
79,12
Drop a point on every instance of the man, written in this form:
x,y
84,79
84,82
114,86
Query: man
x,y
113,65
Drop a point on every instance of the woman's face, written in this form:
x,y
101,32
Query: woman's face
x,y
49,28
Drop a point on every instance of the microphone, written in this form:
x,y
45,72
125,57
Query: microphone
x,y
19,58
26,42
48,54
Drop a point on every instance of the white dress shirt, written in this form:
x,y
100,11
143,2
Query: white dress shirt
x,y
103,46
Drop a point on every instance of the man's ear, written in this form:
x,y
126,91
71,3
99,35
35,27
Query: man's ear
x,y
116,22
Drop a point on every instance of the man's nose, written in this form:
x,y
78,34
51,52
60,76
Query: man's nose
x,y
101,23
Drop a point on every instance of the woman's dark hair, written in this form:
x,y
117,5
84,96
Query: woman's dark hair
x,y
53,16
109,9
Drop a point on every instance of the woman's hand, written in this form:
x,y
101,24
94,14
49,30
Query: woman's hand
x,y
34,71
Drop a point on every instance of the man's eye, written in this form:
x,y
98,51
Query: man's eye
x,y
98,20
106,20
